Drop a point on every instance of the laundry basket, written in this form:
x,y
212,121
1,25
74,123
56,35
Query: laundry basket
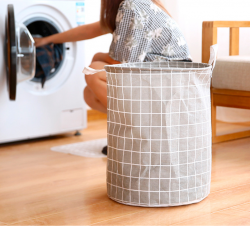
x,y
159,132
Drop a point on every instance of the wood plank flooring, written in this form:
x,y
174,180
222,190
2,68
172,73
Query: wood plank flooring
x,y
41,187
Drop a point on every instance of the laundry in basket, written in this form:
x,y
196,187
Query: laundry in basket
x,y
159,132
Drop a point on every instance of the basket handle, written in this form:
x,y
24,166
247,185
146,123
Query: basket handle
x,y
213,55
90,71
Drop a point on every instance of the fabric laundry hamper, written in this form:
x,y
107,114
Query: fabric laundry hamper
x,y
159,132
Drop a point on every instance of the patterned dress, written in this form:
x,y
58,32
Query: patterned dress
x,y
144,32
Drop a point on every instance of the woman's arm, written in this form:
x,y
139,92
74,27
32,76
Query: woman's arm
x,y
80,33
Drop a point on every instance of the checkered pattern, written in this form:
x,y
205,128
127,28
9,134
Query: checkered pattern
x,y
159,133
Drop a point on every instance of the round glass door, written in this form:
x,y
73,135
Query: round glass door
x,y
20,53
26,54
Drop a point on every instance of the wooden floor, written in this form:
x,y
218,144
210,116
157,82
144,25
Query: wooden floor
x,y
41,187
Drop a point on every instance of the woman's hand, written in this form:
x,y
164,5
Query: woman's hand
x,y
40,42
104,57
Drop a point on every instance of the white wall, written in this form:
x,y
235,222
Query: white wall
x,y
190,14
100,44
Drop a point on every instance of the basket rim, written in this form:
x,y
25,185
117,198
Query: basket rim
x,y
164,66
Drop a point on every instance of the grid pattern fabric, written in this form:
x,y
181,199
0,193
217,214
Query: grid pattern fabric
x,y
159,133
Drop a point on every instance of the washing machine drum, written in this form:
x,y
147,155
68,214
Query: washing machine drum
x,y
50,56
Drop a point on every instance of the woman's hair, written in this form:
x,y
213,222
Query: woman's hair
x,y
109,9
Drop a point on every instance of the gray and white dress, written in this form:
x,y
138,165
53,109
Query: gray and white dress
x,y
144,32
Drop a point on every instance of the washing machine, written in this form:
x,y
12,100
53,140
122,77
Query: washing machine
x,y
28,109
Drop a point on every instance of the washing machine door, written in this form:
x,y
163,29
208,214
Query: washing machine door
x,y
20,53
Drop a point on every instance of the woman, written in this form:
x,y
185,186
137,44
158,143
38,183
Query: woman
x,y
142,31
